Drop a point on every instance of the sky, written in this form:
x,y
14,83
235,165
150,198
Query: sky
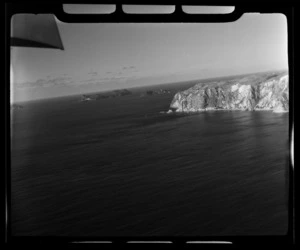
x,y
107,56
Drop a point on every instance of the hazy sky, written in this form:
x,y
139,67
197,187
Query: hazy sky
x,y
100,57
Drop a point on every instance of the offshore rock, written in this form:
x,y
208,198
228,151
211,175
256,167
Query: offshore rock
x,y
262,91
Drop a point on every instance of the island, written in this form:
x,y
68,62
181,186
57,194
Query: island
x,y
155,92
111,94
16,106
262,91
86,98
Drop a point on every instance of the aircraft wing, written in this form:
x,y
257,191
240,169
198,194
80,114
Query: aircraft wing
x,y
31,30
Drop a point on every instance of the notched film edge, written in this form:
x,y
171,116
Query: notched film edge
x,y
147,131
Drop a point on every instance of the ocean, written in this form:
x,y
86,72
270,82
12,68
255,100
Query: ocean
x,y
120,167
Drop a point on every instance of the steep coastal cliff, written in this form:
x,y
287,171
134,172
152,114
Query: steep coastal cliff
x,y
268,91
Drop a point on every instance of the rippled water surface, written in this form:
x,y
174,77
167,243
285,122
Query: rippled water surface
x,y
119,167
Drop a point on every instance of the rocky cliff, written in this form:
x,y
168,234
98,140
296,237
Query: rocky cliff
x,y
268,91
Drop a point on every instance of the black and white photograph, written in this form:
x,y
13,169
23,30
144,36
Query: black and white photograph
x,y
149,129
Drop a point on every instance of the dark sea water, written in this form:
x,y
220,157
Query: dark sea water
x,y
119,167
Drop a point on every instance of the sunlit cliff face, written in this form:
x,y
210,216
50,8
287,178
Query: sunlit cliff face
x,y
257,92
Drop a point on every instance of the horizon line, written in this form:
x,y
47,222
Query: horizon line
x,y
145,86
